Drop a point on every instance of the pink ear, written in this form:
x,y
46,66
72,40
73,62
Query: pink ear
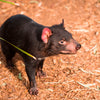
x,y
46,33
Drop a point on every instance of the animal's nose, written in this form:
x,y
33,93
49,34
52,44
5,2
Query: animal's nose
x,y
78,46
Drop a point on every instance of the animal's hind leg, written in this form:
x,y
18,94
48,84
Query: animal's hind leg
x,y
39,71
9,54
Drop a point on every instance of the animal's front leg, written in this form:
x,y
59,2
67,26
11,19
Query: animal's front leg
x,y
30,70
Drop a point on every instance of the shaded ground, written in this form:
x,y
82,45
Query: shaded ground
x,y
69,77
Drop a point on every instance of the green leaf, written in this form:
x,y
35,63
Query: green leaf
x,y
20,76
7,2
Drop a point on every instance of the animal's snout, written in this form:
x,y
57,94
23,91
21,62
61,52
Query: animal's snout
x,y
78,46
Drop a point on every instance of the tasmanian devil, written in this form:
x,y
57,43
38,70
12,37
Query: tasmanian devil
x,y
38,40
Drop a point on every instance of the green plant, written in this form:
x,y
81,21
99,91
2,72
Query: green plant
x,y
12,3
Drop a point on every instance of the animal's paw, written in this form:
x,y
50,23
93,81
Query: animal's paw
x,y
33,91
41,74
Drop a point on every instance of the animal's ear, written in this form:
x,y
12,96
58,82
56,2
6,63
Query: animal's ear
x,y
62,24
46,33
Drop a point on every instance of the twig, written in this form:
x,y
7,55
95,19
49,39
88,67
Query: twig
x,y
97,70
89,85
88,72
59,82
52,82
86,85
81,30
98,80
94,47
76,90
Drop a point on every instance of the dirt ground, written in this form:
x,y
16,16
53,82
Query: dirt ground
x,y
68,77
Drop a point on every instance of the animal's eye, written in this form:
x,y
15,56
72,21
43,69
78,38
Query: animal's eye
x,y
62,42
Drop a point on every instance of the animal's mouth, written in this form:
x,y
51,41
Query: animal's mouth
x,y
68,52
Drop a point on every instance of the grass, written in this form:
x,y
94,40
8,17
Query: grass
x,y
12,3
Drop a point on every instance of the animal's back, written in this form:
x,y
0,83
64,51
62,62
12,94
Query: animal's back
x,y
17,28
14,24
